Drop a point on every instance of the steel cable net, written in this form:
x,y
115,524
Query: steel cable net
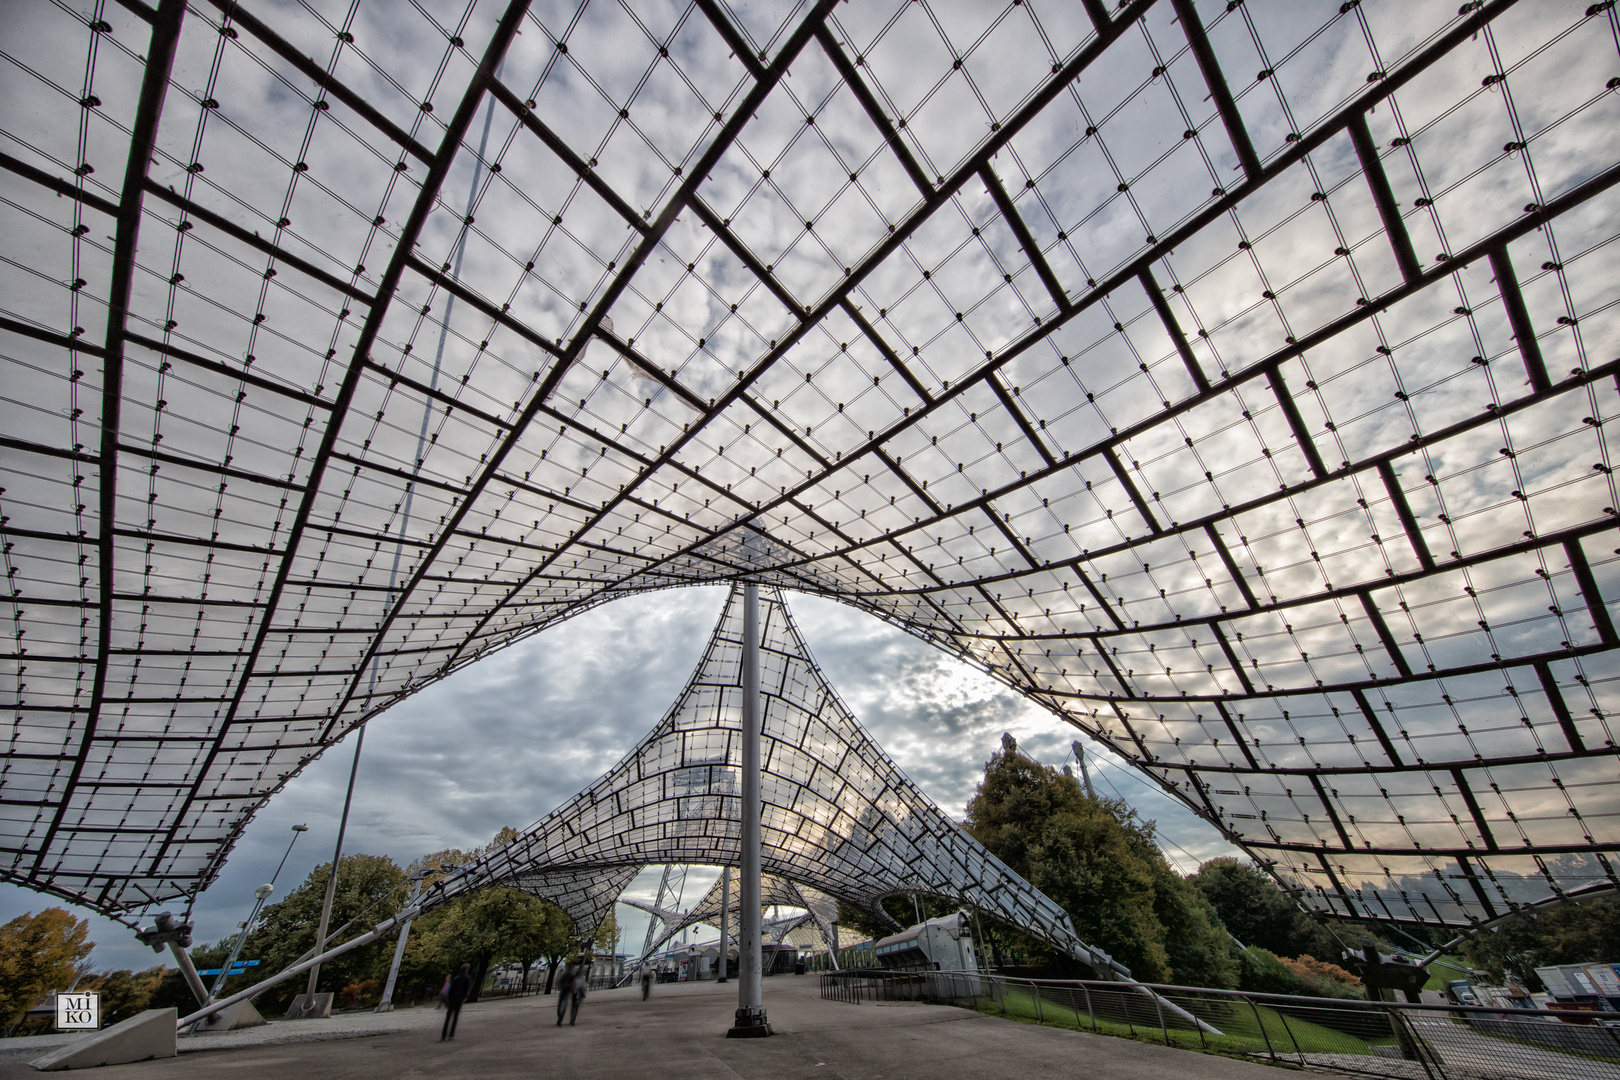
x,y
836,814
585,896
819,909
1233,380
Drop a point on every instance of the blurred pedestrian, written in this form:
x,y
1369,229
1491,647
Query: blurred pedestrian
x,y
646,981
580,983
456,992
565,993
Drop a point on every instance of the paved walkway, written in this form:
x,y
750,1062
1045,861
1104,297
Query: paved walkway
x,y
677,1035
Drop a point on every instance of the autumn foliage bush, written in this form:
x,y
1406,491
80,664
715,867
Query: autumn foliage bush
x,y
359,992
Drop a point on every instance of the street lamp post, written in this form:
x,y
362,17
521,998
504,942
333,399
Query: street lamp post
x,y
260,895
297,830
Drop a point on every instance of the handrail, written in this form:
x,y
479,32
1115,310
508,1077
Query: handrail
x,y
1247,995
1373,1038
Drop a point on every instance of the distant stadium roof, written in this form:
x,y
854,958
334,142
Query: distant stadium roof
x,y
820,909
1235,380
837,815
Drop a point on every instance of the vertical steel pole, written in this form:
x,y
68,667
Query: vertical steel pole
x,y
725,923
331,878
387,1002
750,992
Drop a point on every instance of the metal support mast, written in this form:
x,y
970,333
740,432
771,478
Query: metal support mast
x,y
750,993
306,1003
387,1002
725,923
670,889
1085,776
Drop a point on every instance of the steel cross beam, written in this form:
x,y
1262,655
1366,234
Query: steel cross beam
x,y
143,137
1264,369
837,299
685,196
1544,543
1325,129
600,579
505,31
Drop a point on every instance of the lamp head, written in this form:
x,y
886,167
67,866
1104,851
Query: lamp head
x,y
263,891
300,828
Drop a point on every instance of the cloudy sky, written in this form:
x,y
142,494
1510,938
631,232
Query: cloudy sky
x,y
511,737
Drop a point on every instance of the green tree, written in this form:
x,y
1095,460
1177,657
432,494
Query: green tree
x,y
605,938
38,954
439,863
172,990
370,888
539,929
1570,933
1257,911
860,922
1200,950
1098,861
898,907
487,927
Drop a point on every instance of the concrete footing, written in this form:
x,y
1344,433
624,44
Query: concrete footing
x,y
310,1007
140,1038
240,1015
751,1024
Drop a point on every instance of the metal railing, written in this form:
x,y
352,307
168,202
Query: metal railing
x,y
1379,1039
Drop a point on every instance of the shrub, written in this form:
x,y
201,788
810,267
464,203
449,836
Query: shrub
x,y
357,992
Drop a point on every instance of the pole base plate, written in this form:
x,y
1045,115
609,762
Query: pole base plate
x,y
750,1025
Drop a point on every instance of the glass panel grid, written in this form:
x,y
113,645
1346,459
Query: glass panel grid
x,y
1236,380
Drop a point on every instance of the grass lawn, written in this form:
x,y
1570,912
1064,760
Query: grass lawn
x,y
1246,1031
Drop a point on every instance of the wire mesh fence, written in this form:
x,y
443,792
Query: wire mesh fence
x,y
1379,1039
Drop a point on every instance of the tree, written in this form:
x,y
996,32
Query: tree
x,y
1201,952
538,929
123,993
172,990
1570,933
1257,911
440,863
38,954
491,925
605,938
369,890
862,922
1098,861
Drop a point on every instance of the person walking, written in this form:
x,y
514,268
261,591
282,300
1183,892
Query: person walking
x,y
580,983
460,986
646,981
565,993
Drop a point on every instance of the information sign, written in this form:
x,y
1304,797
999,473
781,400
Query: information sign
x,y
78,1012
